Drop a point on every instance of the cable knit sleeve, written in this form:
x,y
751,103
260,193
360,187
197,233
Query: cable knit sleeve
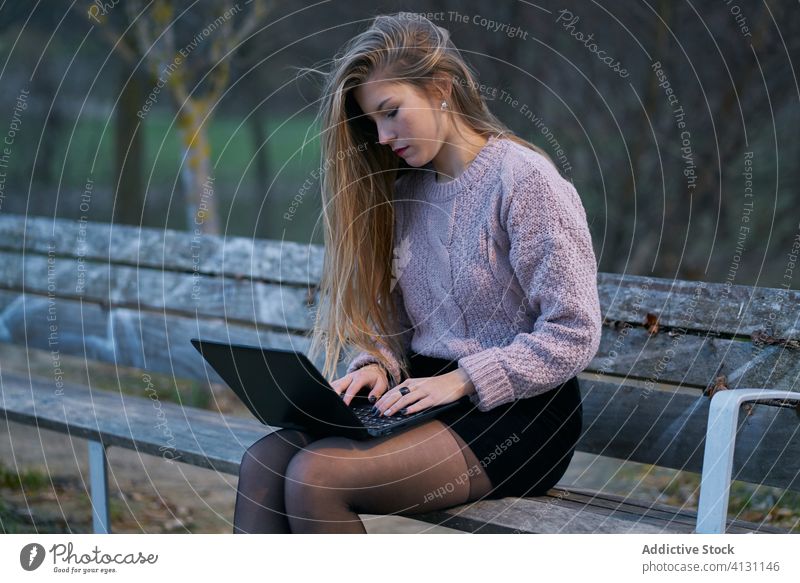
x,y
406,333
552,256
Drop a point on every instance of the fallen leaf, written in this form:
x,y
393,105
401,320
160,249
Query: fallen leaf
x,y
720,384
651,323
760,337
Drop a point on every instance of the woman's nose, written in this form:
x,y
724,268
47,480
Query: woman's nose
x,y
384,136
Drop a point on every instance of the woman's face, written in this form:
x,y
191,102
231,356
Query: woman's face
x,y
405,117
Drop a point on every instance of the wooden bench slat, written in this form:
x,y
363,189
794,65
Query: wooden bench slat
x,y
637,513
254,302
549,515
691,360
128,337
727,309
202,438
564,510
674,514
167,249
633,506
676,517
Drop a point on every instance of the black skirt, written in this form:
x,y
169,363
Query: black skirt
x,y
524,446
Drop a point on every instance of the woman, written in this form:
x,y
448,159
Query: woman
x,y
491,300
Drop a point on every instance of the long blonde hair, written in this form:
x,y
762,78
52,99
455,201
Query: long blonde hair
x,y
355,304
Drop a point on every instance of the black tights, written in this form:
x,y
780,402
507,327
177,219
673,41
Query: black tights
x,y
289,482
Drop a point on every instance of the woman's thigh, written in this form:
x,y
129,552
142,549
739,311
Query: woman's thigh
x,y
425,467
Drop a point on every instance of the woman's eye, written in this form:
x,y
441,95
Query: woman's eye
x,y
392,113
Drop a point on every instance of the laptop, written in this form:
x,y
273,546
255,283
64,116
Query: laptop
x,y
283,388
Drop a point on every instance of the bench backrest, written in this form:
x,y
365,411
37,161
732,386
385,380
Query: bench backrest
x,y
134,296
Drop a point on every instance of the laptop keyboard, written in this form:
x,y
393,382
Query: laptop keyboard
x,y
369,420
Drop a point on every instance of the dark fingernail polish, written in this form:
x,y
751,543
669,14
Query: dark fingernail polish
x,y
404,411
374,410
341,395
372,398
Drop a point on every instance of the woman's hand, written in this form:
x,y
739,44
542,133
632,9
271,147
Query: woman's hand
x,y
373,376
425,392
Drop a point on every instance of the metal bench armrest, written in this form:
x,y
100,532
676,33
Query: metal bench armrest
x,y
723,417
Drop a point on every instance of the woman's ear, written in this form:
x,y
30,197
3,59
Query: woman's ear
x,y
444,86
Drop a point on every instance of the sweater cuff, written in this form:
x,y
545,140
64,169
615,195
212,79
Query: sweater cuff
x,y
492,385
365,358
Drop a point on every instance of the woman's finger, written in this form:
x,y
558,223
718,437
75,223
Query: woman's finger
x,y
352,390
339,385
378,390
420,405
390,399
404,401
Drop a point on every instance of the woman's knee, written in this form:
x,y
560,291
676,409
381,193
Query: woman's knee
x,y
270,454
317,472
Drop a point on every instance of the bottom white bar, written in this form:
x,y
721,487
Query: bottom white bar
x,y
397,557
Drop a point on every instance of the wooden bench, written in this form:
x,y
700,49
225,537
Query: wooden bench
x,y
134,297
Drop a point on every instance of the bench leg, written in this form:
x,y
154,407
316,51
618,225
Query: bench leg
x,y
715,484
98,482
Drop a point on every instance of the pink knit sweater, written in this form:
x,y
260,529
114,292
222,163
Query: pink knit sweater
x,y
495,269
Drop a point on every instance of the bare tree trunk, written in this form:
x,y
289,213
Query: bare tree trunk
x,y
198,183
258,127
128,151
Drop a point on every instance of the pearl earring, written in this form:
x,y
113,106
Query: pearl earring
x,y
444,105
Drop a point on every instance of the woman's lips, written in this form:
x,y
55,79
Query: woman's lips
x,y
401,151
